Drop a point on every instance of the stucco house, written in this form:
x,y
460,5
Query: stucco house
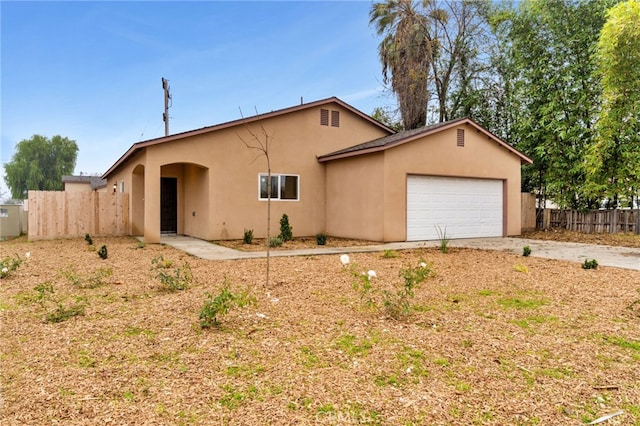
x,y
334,170
83,183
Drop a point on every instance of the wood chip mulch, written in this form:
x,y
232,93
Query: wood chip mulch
x,y
494,338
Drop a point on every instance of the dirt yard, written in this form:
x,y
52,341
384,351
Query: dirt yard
x,y
492,338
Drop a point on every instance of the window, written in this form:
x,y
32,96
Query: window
x,y
460,137
122,186
283,187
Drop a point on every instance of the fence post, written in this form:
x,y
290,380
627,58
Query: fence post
x,y
637,214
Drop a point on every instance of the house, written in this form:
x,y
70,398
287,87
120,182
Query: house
x,y
334,170
83,183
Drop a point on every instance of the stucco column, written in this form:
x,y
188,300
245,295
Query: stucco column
x,y
152,204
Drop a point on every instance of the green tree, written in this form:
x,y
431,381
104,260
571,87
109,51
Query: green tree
x,y
405,52
387,118
555,93
39,163
614,157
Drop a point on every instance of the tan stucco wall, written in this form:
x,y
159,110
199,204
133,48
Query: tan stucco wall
x,y
77,187
436,155
218,175
355,197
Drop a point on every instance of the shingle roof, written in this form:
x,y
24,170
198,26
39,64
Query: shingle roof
x,y
96,182
140,145
405,136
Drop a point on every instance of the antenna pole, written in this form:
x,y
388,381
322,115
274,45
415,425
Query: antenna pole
x,y
167,97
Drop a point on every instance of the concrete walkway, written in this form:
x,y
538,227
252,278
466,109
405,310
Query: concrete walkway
x,y
620,257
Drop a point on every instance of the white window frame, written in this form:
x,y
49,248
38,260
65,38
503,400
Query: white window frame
x,y
278,176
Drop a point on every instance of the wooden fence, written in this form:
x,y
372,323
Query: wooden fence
x,y
61,214
528,212
592,221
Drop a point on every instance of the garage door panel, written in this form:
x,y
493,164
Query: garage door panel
x,y
463,207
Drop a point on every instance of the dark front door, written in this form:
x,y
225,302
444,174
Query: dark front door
x,y
168,205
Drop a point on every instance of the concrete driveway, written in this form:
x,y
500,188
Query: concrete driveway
x,y
619,257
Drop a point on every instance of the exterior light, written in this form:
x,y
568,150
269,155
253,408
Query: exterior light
x,y
115,187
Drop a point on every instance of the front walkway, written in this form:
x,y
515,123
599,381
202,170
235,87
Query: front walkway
x,y
620,257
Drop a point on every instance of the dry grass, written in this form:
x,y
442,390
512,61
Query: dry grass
x,y
486,344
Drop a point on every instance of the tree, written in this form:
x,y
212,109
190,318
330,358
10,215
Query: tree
x,y
614,157
39,163
261,143
459,61
405,52
385,117
555,94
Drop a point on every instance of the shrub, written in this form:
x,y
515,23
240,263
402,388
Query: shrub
x,y
103,252
95,280
55,309
321,239
88,239
526,251
216,306
398,305
286,231
9,265
275,242
248,236
395,304
178,279
590,264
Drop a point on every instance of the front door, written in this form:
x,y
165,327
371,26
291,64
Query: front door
x,y
168,205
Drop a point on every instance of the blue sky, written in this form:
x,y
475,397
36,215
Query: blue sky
x,y
91,71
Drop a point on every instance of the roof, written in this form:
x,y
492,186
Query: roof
x,y
96,182
402,137
242,121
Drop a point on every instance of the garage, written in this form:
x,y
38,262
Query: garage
x,y
463,207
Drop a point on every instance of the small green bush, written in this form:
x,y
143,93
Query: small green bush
x,y
394,304
286,231
88,239
275,242
526,251
590,264
216,306
178,279
103,252
248,236
55,308
321,239
9,265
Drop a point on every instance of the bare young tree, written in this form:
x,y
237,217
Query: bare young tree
x,y
260,142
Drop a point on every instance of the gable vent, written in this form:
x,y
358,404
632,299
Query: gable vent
x,y
460,140
324,117
335,118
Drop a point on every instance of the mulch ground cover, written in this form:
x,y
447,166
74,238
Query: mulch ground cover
x,y
490,338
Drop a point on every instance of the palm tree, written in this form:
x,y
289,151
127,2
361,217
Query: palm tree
x,y
405,53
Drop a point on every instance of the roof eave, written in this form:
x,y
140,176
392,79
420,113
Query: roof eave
x,y
241,121
340,155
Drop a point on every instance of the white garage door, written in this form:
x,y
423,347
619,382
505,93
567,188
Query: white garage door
x,y
464,208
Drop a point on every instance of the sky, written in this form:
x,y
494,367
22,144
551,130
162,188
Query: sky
x,y
91,70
